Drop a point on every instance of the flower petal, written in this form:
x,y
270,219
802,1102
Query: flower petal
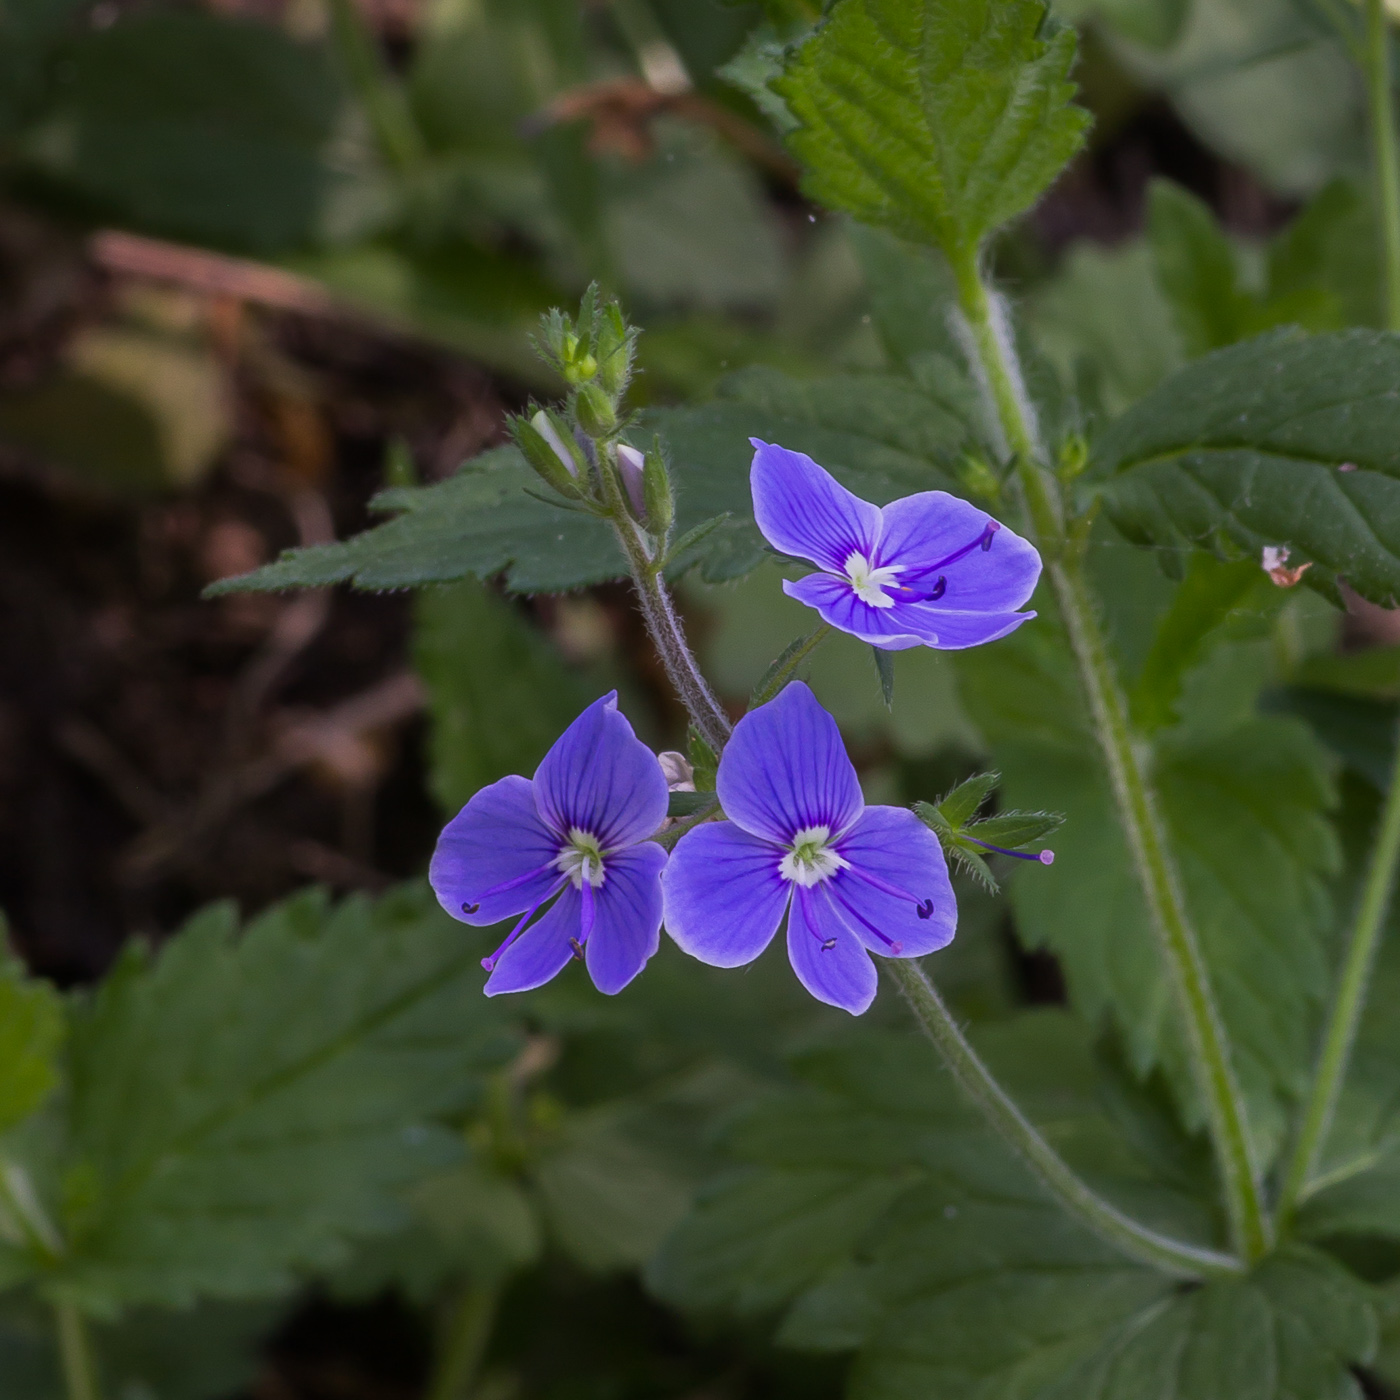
x,y
829,960
922,530
801,509
495,839
601,778
542,950
724,897
952,631
894,846
836,603
627,924
785,768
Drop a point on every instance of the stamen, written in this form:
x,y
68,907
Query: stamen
x,y
507,885
895,947
924,907
1046,857
804,898
911,583
490,963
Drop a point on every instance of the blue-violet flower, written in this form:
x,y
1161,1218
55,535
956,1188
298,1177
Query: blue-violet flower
x,y
577,835
928,570
801,840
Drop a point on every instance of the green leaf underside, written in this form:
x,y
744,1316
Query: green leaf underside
x,y
884,437
938,120
1245,448
1246,806
244,1104
873,1210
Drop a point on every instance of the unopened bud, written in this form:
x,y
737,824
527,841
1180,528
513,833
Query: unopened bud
x,y
661,503
596,414
630,467
1074,457
544,448
614,349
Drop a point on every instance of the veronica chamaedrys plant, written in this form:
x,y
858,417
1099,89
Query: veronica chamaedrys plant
x,y
926,570
800,840
575,834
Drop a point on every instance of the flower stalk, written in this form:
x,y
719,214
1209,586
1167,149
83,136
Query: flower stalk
x,y
1176,1257
463,1343
75,1353
1381,102
1136,802
1348,1004
663,625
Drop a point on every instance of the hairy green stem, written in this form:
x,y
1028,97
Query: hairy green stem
x,y
75,1353
1381,102
664,626
1137,807
463,1344
1105,1220
1347,1006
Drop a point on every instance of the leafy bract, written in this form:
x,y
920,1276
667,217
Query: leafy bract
x,y
1246,800
241,1106
939,120
872,1208
1287,439
882,436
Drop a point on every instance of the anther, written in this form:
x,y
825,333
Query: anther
x,y
470,908
992,527
578,949
938,589
925,908
828,945
1046,857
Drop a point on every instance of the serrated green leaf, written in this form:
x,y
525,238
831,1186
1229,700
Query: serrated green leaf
x,y
962,803
1196,270
1016,829
499,693
1285,440
31,1033
241,1107
1373,674
1246,800
939,120
476,524
884,437
685,804
1208,595
872,1204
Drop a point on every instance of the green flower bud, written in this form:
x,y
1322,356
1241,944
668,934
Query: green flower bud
x,y
1074,457
596,414
544,447
656,485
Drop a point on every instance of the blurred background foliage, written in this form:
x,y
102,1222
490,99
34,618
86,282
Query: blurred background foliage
x,y
259,258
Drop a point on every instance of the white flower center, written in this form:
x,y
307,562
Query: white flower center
x,y
581,859
809,859
869,584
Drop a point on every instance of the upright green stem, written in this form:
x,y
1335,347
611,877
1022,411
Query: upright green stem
x,y
1383,147
463,1344
75,1352
1347,1005
664,626
1137,807
1104,1219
